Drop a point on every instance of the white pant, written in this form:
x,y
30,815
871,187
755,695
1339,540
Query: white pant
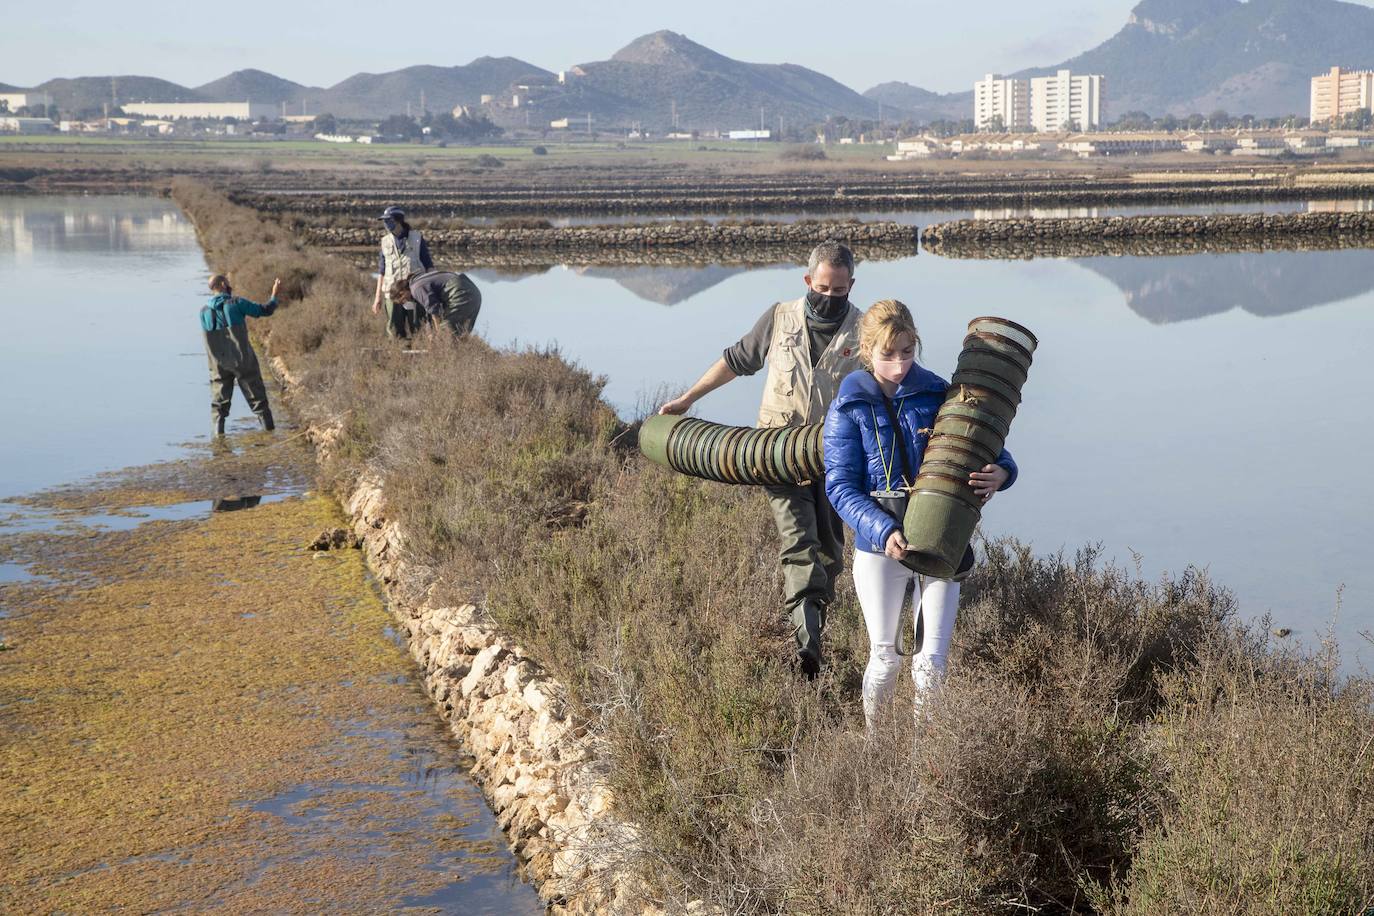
x,y
880,582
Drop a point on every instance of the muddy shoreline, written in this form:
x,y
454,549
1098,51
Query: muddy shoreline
x,y
231,736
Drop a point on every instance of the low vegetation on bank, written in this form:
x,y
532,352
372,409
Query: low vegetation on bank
x,y
1103,744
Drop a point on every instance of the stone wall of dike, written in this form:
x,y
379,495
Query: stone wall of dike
x,y
1220,225
1030,247
541,771
847,194
654,236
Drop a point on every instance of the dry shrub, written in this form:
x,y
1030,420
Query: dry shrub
x,y
1102,743
1268,763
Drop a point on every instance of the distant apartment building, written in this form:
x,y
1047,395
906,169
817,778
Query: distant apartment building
x,y
17,100
1000,103
212,111
1066,102
1341,92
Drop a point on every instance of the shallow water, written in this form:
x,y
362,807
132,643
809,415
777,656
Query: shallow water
x,y
111,374
103,361
1208,410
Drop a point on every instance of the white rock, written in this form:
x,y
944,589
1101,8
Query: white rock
x,y
481,666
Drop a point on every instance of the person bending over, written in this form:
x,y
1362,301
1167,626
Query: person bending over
x,y
444,296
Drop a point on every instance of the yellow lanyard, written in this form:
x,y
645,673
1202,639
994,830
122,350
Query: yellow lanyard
x,y
886,462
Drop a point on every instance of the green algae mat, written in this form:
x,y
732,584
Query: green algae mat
x,y
205,714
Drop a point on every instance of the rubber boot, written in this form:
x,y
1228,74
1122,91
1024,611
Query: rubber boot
x,y
808,618
265,420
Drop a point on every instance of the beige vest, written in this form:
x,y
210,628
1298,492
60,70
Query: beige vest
x,y
401,260
795,393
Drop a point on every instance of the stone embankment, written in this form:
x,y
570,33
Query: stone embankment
x,y
657,236
1213,226
1030,247
541,772
821,196
520,263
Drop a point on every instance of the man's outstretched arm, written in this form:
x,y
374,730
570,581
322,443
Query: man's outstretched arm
x,y
717,375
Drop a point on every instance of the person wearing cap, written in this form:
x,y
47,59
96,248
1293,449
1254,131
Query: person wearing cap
x,y
445,296
404,252
230,352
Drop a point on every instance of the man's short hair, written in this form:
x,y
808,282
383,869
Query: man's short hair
x,y
219,283
831,252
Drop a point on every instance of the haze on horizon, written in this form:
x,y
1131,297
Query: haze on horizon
x,y
928,44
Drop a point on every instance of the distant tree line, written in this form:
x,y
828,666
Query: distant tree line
x,y
442,126
30,111
1219,119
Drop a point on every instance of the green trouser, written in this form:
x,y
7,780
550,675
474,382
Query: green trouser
x,y
462,302
400,321
222,391
232,360
811,551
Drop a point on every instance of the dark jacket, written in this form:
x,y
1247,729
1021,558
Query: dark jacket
x,y
854,465
437,291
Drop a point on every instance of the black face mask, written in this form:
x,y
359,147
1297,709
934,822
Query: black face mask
x,y
824,306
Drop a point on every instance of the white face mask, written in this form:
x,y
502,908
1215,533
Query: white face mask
x,y
892,370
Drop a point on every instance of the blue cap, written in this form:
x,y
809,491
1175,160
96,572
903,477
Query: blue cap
x,y
393,213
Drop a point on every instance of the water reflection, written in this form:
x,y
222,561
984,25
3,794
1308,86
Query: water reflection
x,y
665,285
120,377
1163,290
1340,206
100,224
235,503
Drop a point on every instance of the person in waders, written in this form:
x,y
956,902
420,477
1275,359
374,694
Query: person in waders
x,y
231,354
875,437
445,297
404,252
809,345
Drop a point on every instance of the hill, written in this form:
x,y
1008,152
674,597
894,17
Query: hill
x,y
86,92
376,95
256,86
922,104
1184,56
663,72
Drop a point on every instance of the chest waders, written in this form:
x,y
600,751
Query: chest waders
x,y
232,360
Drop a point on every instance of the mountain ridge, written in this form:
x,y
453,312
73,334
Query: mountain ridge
x,y
1170,57
1258,57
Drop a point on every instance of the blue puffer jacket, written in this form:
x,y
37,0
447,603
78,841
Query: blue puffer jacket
x,y
855,424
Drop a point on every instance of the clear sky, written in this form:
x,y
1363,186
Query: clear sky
x,y
935,44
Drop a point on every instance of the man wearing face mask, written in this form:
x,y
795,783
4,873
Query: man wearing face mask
x,y
809,345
